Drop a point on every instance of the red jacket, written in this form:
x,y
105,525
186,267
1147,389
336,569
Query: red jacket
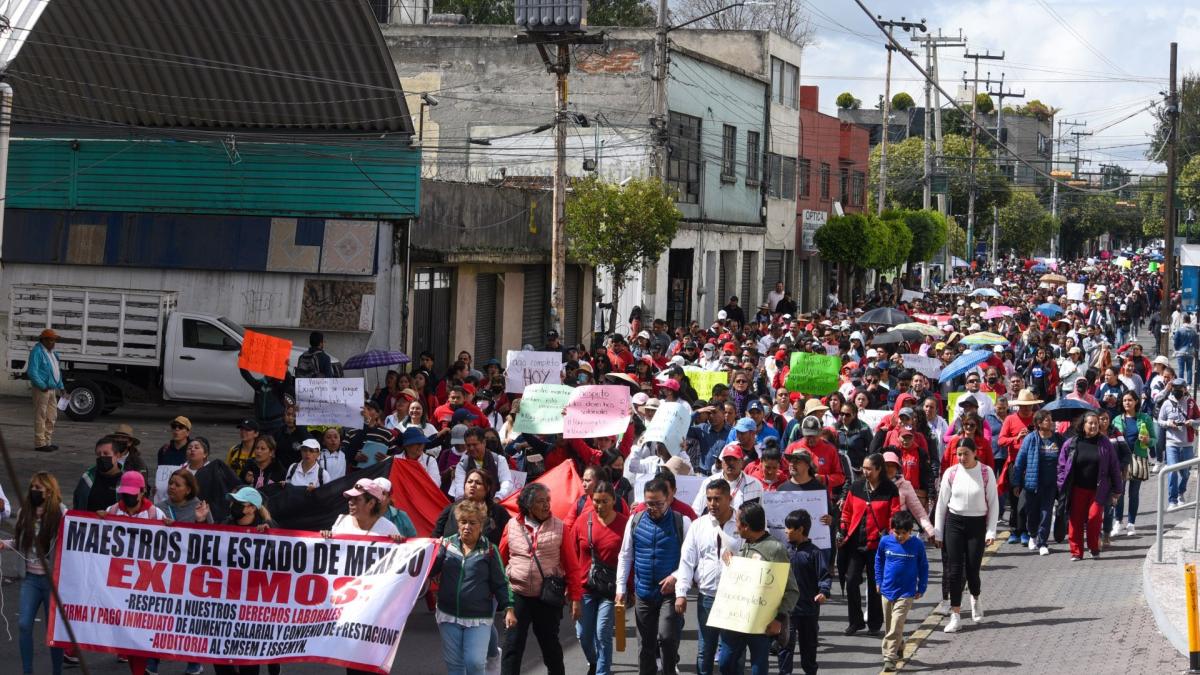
x,y
755,469
829,464
1010,434
875,516
606,540
983,451
443,413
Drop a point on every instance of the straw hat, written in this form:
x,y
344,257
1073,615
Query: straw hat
x,y
1025,398
814,405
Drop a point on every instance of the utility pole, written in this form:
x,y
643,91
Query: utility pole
x,y
1169,217
658,122
975,147
1000,151
931,44
1056,174
1077,135
884,120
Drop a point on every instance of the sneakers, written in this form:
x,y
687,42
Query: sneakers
x,y
1095,555
1025,539
976,609
194,669
1130,531
1043,550
954,624
1013,539
1076,558
889,666
1032,545
1116,529
70,660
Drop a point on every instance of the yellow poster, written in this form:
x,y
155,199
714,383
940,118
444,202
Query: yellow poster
x,y
704,380
749,595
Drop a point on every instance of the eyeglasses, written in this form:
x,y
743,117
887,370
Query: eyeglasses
x,y
177,426
846,414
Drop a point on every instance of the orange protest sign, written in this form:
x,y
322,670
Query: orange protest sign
x,y
265,354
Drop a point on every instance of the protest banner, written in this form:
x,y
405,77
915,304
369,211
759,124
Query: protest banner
x,y
330,401
541,410
928,366
529,367
1075,291
833,350
908,296
597,410
813,374
231,595
778,504
669,426
987,403
704,380
872,418
265,354
748,595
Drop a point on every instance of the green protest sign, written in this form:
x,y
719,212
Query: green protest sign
x,y
541,410
813,374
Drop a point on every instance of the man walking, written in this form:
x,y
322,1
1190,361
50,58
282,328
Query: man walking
x,y
46,377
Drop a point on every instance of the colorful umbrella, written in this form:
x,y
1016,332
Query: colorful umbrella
x,y
922,328
998,311
376,358
965,362
985,338
1049,310
896,336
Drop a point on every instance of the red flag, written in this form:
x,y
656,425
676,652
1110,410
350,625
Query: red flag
x,y
565,489
416,495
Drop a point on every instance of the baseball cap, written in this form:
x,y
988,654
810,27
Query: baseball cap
x,y
384,484
639,399
1159,360
311,444
754,406
744,424
891,458
458,435
132,483
998,349
722,315
810,426
733,450
668,383
1179,382
183,422
244,424
906,412
872,354
365,486
247,495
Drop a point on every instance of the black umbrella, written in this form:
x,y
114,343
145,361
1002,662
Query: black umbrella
x,y
884,316
896,336
1067,409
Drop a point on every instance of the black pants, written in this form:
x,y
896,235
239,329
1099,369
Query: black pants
x,y
802,643
963,554
659,629
1017,517
545,620
858,561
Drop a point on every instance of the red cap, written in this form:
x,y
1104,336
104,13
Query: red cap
x,y
729,347
733,450
781,355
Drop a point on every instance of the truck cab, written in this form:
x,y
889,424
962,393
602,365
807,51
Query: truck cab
x,y
200,355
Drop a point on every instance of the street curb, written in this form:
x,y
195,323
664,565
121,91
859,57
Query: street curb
x,y
1168,629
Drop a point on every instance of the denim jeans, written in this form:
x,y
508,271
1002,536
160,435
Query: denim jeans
x,y
733,646
595,632
35,590
1039,511
706,637
1177,482
1185,367
1133,490
465,649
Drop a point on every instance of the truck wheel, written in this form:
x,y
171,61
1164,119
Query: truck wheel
x,y
85,401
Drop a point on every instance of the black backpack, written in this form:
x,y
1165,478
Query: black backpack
x,y
308,366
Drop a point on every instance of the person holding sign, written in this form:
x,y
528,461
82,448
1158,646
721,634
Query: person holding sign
x,y
132,502
742,487
758,544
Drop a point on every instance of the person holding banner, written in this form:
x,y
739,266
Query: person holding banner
x,y
598,546
132,502
367,504
182,505
213,476
36,540
476,488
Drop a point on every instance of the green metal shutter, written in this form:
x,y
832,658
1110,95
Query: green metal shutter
x,y
535,307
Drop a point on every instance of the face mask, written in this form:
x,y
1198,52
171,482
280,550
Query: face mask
x,y
493,446
104,464
484,405
131,501
36,498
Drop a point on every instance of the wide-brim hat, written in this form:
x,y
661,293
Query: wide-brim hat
x,y
1026,397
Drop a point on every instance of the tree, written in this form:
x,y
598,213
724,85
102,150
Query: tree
x,y
632,13
620,228
1189,121
929,233
902,102
1151,204
846,101
1086,215
1025,226
983,104
895,243
478,11
864,241
786,17
1036,108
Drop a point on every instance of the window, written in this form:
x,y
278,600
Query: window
x,y
858,188
729,153
788,169
785,83
781,176
683,157
824,181
844,186
381,9
204,335
752,168
803,171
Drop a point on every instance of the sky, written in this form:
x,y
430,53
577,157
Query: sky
x,y
1099,61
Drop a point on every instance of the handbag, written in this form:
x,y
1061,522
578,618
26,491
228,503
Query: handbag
x,y
1139,468
601,578
554,588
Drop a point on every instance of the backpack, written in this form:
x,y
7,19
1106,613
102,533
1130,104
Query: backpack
x,y
321,471
637,518
307,365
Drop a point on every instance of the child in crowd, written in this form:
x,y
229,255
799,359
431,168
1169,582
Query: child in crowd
x,y
902,571
810,567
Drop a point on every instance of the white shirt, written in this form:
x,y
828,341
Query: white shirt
x,y
317,475
744,489
431,468
964,492
625,558
334,463
700,562
345,524
460,477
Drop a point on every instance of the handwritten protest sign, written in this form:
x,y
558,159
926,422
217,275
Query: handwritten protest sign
x,y
542,408
528,367
686,488
987,402
748,595
1075,291
669,425
330,401
813,374
162,476
597,410
872,417
215,594
778,505
909,296
704,380
265,354
833,350
928,366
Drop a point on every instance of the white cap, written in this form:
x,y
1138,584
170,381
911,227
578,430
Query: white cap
x,y
871,354
721,315
644,334
998,349
384,484
310,443
640,398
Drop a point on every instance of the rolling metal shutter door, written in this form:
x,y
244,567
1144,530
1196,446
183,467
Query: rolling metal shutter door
x,y
571,323
485,317
722,287
772,272
746,300
535,308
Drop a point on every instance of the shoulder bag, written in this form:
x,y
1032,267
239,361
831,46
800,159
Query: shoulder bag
x,y
601,578
554,588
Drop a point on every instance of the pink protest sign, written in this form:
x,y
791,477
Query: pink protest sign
x,y
597,410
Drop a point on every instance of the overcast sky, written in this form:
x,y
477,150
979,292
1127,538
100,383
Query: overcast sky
x,y
1099,60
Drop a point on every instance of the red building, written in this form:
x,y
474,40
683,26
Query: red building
x,y
832,167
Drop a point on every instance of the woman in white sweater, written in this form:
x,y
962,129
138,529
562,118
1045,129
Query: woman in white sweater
x,y
967,510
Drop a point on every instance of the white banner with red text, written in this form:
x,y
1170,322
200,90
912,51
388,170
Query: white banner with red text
x,y
233,595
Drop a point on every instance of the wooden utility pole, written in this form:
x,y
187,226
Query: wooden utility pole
x,y
974,188
886,109
932,103
1169,217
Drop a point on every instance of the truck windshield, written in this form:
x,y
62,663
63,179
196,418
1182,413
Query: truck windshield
x,y
233,326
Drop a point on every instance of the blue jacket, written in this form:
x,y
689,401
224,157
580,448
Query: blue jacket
x,y
901,570
656,552
711,442
39,370
1028,462
810,567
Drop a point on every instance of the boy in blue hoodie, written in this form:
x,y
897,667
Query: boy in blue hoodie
x,y
902,571
810,567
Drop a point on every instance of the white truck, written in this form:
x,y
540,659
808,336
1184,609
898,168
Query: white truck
x,y
122,346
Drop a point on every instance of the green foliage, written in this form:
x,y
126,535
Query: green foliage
x,y
896,241
1025,227
840,239
631,13
620,229
1151,205
1189,186
846,101
906,167
1189,121
478,11
984,104
928,233
1084,216
1035,108
864,241
903,101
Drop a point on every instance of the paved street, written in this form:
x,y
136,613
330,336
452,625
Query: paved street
x,y
1042,613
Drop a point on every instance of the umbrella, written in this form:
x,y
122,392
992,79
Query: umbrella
x,y
1053,279
1066,409
985,338
1049,309
985,292
884,316
999,311
965,362
375,358
922,328
896,336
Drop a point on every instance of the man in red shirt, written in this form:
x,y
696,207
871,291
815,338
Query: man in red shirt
x,y
456,399
825,456
1012,434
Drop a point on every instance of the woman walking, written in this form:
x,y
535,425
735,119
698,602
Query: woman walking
x,y
866,516
967,510
1035,470
36,540
1090,475
598,536
1137,428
